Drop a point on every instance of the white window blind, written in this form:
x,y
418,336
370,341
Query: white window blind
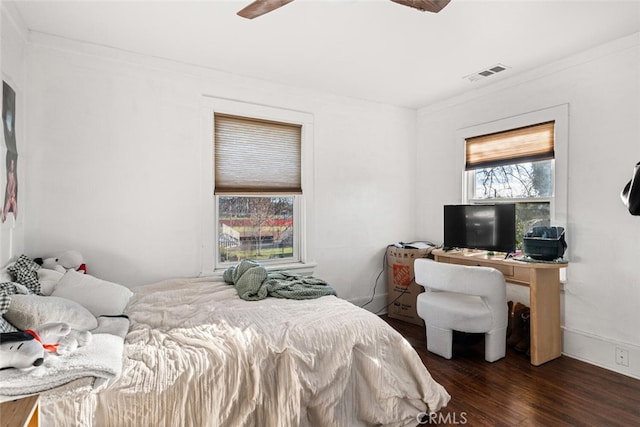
x,y
256,156
525,144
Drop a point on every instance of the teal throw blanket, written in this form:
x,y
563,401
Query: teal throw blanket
x,y
253,283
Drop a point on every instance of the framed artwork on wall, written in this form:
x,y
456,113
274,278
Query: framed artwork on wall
x,y
10,202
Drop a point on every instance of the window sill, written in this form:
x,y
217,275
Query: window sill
x,y
301,268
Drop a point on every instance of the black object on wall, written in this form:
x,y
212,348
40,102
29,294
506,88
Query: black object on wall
x,y
631,192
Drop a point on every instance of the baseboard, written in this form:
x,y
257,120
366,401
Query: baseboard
x,y
378,305
601,351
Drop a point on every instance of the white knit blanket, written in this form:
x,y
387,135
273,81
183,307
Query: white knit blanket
x,y
96,364
100,360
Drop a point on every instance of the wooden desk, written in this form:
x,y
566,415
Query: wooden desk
x,y
543,281
21,412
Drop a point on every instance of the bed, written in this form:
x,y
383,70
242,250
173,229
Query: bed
x,y
197,355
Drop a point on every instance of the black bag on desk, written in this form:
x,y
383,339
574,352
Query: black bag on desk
x,y
631,193
544,243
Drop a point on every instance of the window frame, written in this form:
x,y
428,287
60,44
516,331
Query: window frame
x,y
303,234
558,201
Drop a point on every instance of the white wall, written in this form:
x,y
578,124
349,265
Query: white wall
x,y
602,88
12,63
114,143
115,173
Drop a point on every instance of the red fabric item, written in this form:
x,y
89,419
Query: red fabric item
x,y
49,347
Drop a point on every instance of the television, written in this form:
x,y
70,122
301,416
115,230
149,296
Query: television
x,y
486,227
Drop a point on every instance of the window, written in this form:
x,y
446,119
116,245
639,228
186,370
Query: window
x,y
518,165
257,180
259,159
260,228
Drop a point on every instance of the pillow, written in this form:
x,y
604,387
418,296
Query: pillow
x,y
32,311
98,296
48,280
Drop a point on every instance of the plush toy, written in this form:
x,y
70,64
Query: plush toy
x,y
20,350
69,260
61,339
28,349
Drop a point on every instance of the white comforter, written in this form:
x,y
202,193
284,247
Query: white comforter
x,y
197,355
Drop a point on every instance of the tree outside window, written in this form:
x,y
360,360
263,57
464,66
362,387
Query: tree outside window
x,y
258,228
529,185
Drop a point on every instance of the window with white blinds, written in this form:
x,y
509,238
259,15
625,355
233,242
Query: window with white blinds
x,y
256,156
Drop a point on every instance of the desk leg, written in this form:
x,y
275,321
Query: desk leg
x,y
546,333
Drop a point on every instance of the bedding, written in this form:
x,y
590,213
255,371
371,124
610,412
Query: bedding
x,y
31,311
99,296
18,277
24,271
48,280
253,283
97,364
7,289
198,355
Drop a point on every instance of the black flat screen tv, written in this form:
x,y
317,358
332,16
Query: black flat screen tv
x,y
486,227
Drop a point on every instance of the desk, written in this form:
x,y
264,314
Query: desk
x,y
543,280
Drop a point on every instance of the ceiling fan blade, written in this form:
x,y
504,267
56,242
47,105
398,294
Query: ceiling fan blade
x,y
434,6
260,7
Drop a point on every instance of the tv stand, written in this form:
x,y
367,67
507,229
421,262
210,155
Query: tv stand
x,y
543,281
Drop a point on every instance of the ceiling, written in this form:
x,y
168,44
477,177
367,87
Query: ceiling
x,y
376,50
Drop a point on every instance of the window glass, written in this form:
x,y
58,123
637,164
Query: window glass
x,y
255,227
529,215
519,180
529,185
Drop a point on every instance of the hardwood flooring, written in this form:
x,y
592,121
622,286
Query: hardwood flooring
x,y
512,392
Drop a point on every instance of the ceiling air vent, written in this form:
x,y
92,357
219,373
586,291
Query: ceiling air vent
x,y
486,72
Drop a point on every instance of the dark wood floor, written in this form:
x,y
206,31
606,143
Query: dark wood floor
x,y
512,392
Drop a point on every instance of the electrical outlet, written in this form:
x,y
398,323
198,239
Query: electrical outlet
x,y
622,356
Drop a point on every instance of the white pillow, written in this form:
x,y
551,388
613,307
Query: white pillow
x,y
32,311
48,280
98,296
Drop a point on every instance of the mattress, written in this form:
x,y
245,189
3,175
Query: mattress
x,y
198,355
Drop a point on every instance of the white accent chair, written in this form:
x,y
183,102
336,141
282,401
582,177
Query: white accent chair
x,y
462,298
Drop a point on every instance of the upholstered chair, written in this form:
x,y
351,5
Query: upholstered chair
x,y
462,298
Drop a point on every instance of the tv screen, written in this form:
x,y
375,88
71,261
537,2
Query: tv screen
x,y
487,227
